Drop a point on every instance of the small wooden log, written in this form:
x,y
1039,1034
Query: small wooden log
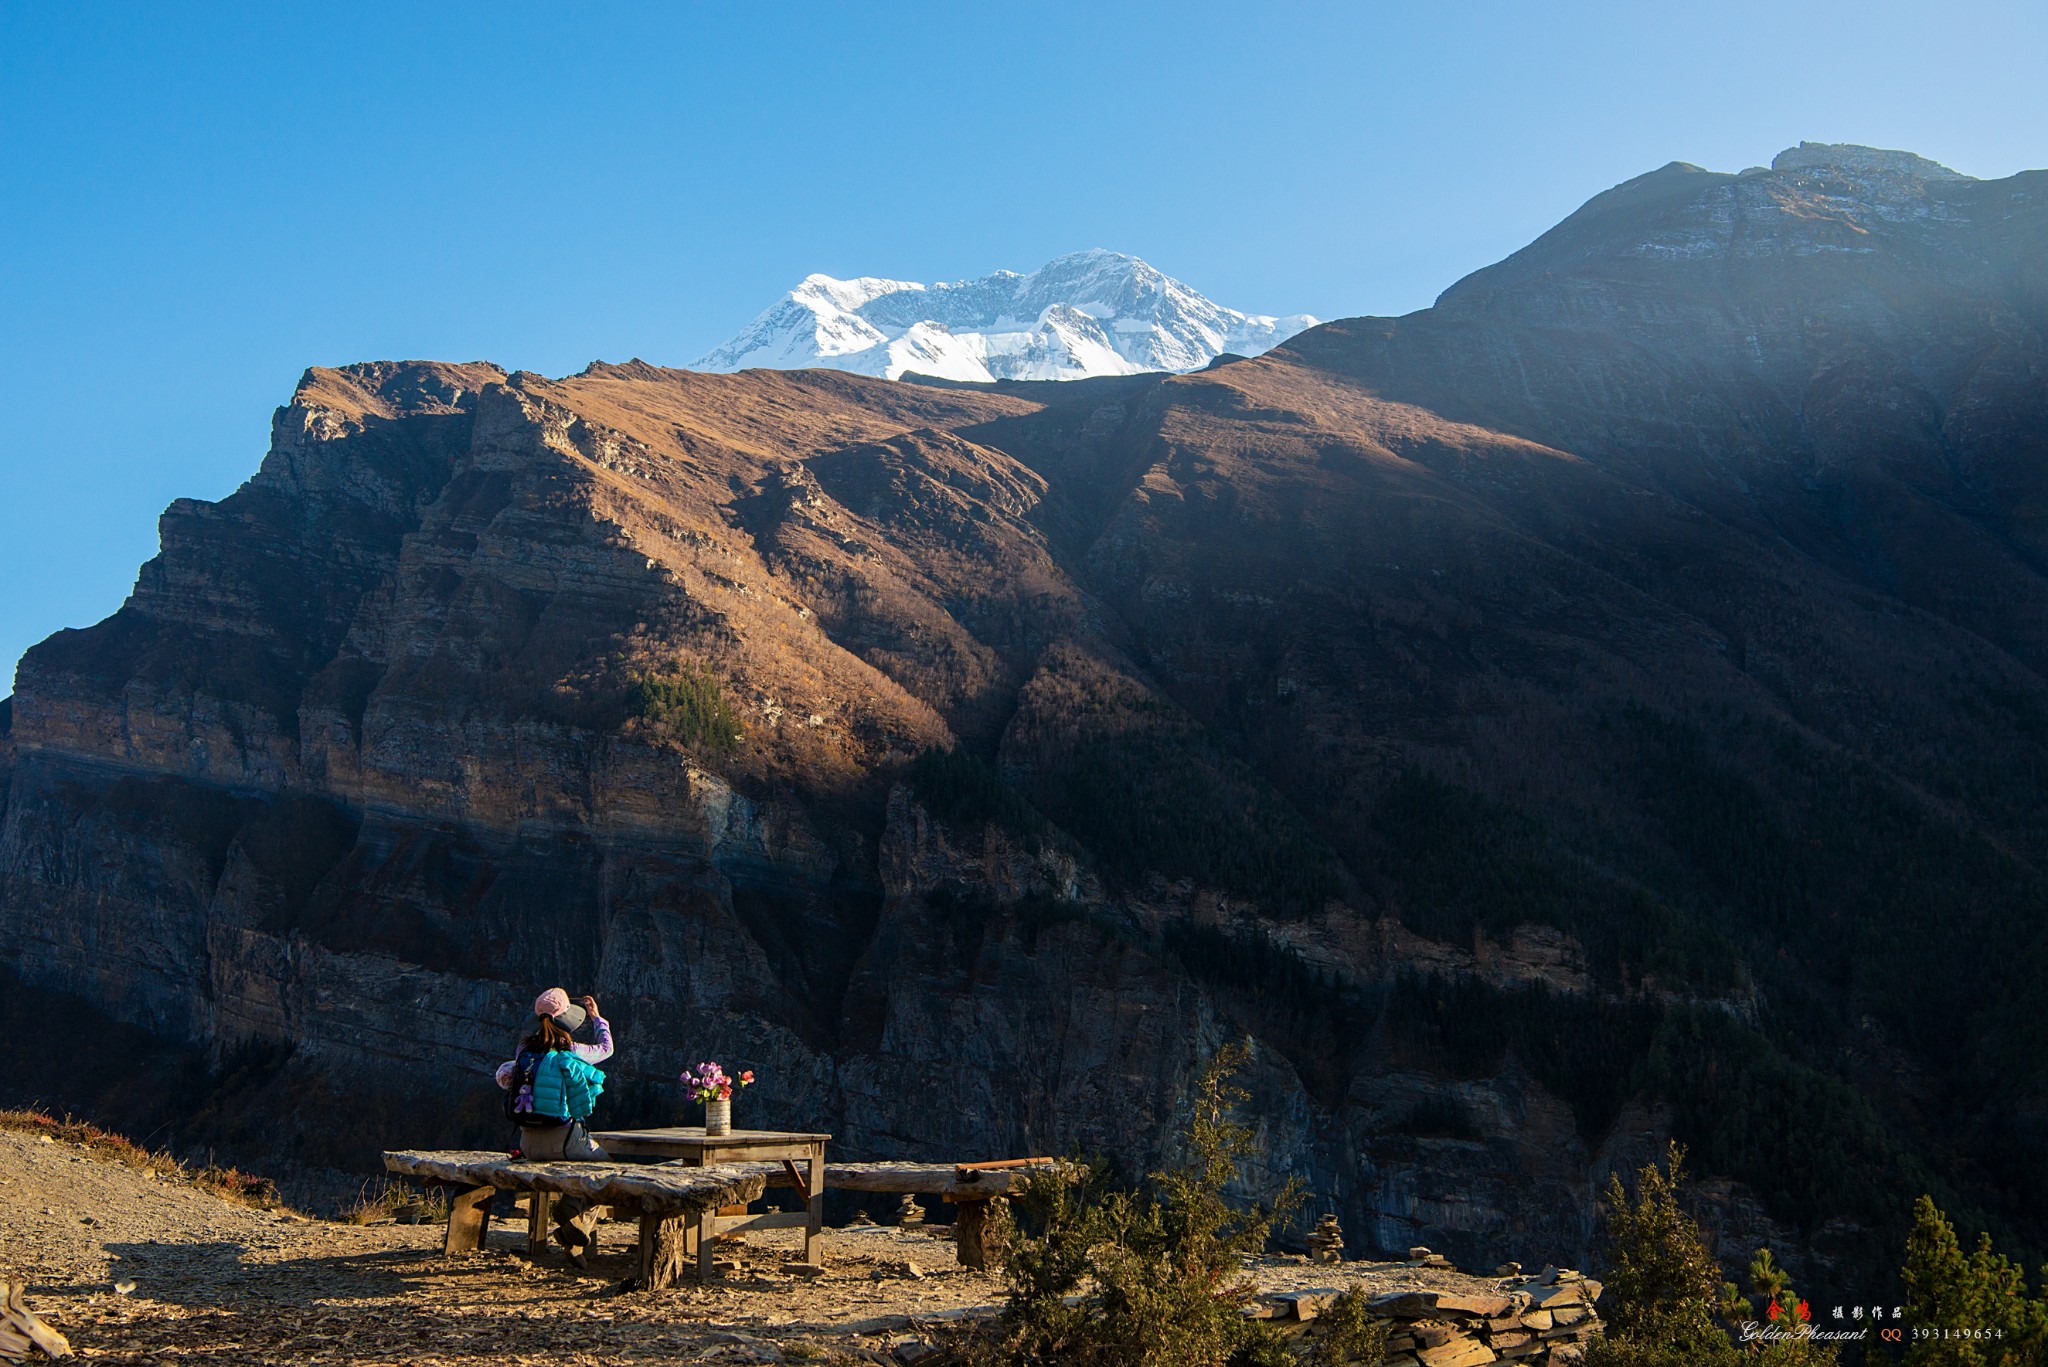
x,y
663,1250
469,1220
21,1324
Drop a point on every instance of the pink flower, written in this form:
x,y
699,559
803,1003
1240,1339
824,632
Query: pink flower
x,y
709,1081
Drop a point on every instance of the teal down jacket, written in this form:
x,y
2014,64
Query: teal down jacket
x,y
564,1085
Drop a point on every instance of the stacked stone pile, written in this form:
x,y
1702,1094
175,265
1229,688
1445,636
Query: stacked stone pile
x,y
1326,1241
1544,1321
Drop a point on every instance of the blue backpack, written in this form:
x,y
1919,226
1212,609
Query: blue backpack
x,y
563,1087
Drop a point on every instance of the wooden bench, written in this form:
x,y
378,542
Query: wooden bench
x,y
668,1198
968,1186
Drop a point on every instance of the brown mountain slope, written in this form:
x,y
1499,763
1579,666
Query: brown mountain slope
x,y
1604,705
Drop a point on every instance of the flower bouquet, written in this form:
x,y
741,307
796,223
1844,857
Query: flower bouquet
x,y
710,1084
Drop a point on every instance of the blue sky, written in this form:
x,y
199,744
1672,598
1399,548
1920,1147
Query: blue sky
x,y
197,202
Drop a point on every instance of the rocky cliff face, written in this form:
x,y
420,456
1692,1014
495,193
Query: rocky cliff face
x,y
1603,706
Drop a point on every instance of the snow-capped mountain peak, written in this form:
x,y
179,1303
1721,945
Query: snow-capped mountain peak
x,y
1089,313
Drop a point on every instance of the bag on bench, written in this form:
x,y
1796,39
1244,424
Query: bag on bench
x,y
525,1066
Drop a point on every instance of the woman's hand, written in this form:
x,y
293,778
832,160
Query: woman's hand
x,y
589,1003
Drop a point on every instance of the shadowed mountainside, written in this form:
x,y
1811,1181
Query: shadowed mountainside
x,y
1607,704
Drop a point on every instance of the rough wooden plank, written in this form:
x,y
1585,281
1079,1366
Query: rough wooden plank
x,y
693,1136
663,1188
894,1179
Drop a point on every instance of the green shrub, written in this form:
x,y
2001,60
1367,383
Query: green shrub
x,y
1981,1293
1664,1291
1346,1333
1776,1306
1662,1285
1154,1277
691,706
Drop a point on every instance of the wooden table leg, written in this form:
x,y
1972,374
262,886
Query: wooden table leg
x,y
469,1220
816,1223
538,1206
707,1241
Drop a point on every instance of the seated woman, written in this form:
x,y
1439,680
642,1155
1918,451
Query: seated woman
x,y
571,1016
554,1091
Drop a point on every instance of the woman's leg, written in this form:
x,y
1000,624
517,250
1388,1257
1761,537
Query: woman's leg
x,y
578,1144
575,1217
544,1143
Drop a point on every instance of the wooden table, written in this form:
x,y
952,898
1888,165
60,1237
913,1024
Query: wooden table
x,y
689,1144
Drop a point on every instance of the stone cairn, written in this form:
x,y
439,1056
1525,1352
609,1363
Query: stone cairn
x,y
1542,1321
1326,1241
909,1213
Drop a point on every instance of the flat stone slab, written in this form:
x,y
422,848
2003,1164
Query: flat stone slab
x,y
1415,1305
651,1188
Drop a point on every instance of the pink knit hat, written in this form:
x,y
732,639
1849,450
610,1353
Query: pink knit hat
x,y
555,1002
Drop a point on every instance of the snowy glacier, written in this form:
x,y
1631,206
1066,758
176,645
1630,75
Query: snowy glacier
x,y
1089,313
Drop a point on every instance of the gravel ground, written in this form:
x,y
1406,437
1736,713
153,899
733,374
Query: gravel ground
x,y
139,1269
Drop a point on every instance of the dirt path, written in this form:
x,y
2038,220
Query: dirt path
x,y
217,1282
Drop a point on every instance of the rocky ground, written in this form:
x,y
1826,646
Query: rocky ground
x,y
139,1268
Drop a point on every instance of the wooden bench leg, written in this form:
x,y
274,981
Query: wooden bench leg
x,y
662,1250
970,1233
815,1189
539,1206
469,1220
707,1242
